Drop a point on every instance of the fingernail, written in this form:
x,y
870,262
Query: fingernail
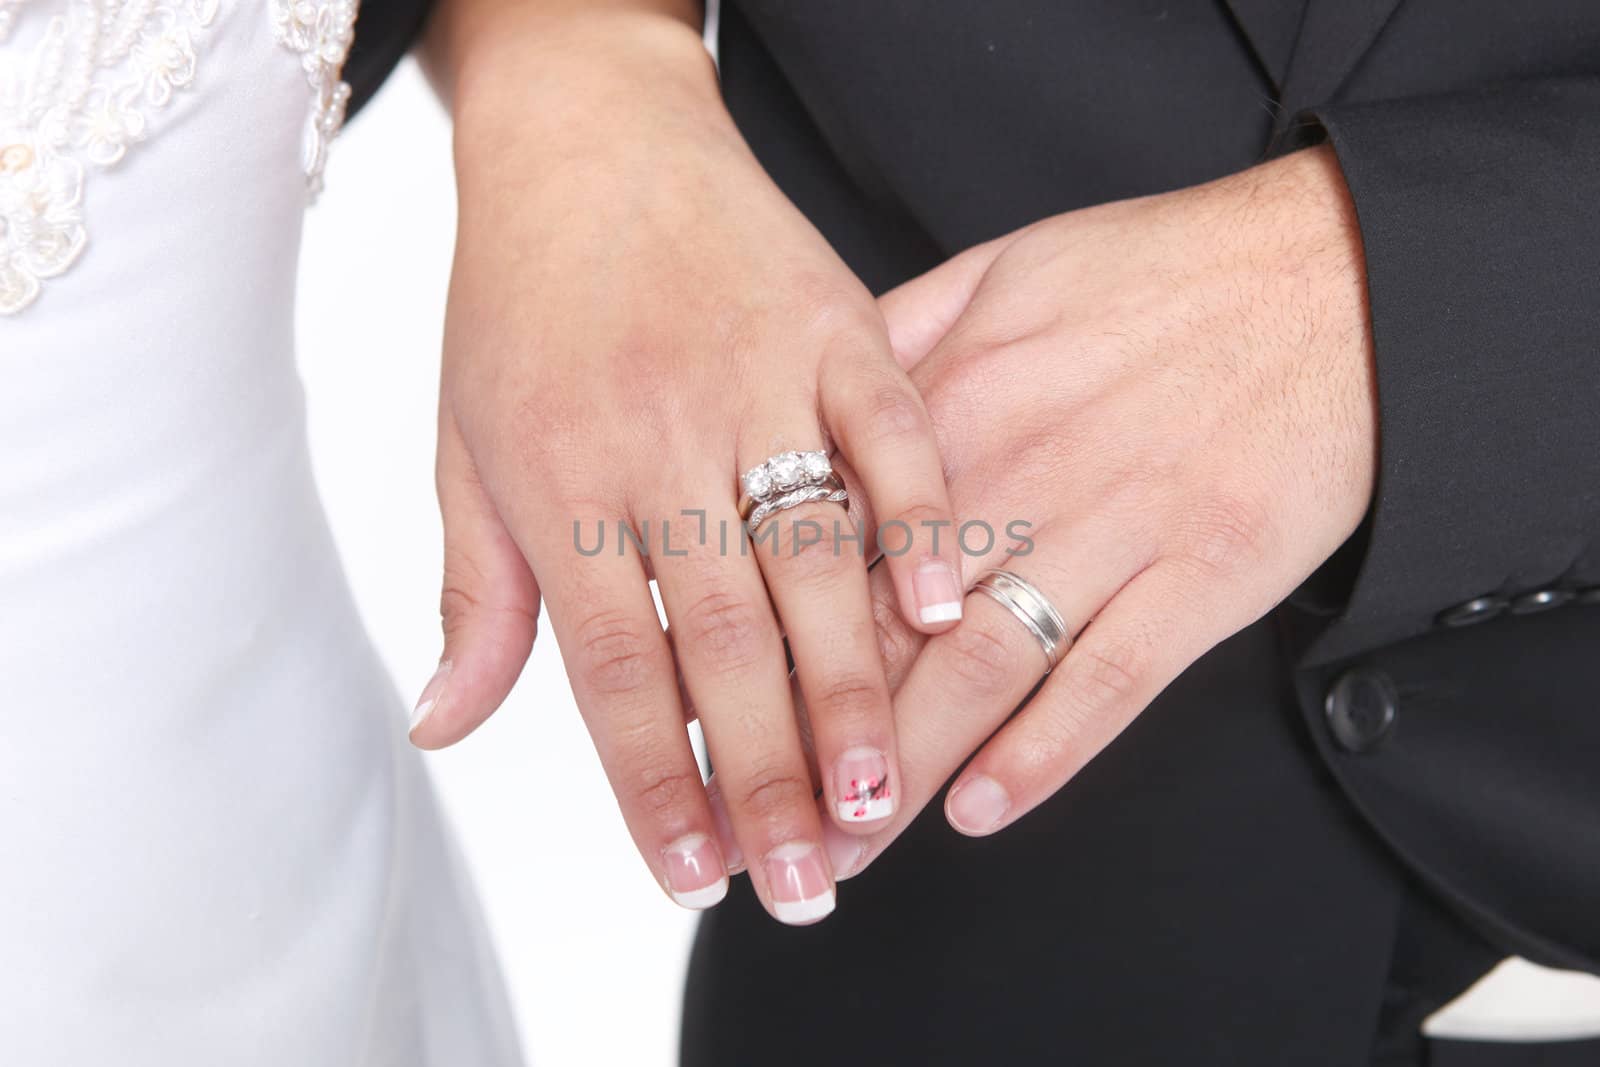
x,y
844,850
732,854
977,805
430,696
696,876
938,592
798,881
861,780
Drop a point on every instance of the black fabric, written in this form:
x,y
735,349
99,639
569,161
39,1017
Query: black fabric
x,y
1488,782
1332,38
1435,959
1469,132
1271,27
1480,215
971,120
1497,1054
385,31
1202,896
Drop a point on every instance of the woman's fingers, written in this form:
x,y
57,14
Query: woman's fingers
x,y
811,557
621,670
882,427
489,606
1138,643
730,652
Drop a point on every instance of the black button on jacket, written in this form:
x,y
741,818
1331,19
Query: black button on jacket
x,y
1469,134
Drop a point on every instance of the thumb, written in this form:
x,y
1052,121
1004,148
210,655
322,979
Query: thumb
x,y
920,312
489,606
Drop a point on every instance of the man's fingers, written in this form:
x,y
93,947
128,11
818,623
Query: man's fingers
x,y
489,606
965,683
920,312
1138,643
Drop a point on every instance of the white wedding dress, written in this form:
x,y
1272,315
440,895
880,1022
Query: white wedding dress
x,y
216,846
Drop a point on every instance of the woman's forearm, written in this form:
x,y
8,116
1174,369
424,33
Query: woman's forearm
x,y
637,316
476,49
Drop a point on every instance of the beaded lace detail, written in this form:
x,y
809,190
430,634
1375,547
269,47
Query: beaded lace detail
x,y
90,89
321,32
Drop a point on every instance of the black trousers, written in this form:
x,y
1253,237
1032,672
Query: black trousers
x,y
1201,895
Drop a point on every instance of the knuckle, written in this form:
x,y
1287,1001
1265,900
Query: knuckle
x,y
848,698
1107,675
985,363
457,602
962,395
1102,682
770,794
928,525
897,642
839,318
945,397
982,659
1225,535
459,605
662,793
723,630
615,656
809,549
890,413
1048,742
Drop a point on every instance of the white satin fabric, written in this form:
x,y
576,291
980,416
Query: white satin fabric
x,y
216,846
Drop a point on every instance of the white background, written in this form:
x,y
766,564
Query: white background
x,y
593,952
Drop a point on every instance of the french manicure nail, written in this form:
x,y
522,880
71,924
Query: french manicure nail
x,y
844,850
938,592
977,805
798,881
430,696
861,780
695,874
732,854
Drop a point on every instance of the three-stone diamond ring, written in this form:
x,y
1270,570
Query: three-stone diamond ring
x,y
785,481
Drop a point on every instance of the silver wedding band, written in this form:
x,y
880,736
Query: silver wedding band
x,y
786,481
1023,599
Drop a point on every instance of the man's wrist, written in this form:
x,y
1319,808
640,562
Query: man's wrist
x,y
1316,195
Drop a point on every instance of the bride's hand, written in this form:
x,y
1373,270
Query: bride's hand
x,y
636,316
1177,394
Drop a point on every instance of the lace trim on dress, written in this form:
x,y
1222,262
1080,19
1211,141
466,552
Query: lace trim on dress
x,y
78,100
321,32
7,15
87,92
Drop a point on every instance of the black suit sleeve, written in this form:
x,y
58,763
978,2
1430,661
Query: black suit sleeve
x,y
385,31
1455,691
1480,216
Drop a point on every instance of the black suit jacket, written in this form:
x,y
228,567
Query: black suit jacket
x,y
385,30
1447,661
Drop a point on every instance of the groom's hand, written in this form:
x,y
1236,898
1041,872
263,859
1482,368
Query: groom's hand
x,y
1177,395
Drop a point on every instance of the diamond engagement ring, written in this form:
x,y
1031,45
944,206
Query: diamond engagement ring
x,y
786,481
